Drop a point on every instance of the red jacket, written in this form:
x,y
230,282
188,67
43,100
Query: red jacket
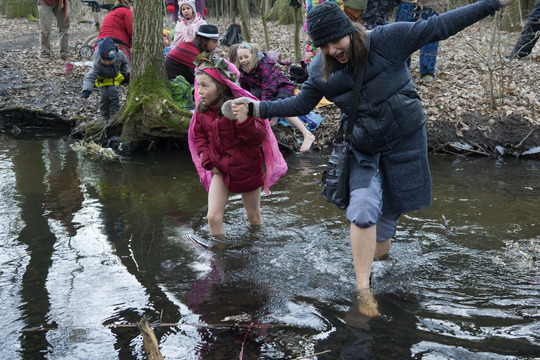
x,y
184,53
118,24
233,148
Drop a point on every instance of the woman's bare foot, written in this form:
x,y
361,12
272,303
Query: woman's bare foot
x,y
308,141
356,319
367,304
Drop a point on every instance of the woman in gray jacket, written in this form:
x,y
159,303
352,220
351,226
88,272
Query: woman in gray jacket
x,y
389,171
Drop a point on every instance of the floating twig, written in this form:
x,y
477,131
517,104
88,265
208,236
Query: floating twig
x,y
446,224
312,355
466,149
158,325
525,138
95,149
243,342
150,341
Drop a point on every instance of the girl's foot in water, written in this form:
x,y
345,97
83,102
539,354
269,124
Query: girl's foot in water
x,y
308,141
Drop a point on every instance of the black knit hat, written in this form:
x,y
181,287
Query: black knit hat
x,y
327,22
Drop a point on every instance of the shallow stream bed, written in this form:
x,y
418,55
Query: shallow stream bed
x,y
88,247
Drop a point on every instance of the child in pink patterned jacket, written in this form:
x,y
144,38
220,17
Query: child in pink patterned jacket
x,y
174,8
188,23
262,79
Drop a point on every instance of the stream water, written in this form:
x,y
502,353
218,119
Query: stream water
x,y
88,247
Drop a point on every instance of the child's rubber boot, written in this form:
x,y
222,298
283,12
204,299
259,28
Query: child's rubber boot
x,y
69,69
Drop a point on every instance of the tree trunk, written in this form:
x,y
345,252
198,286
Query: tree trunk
x,y
232,13
267,6
264,6
243,7
148,40
281,12
511,17
297,26
150,114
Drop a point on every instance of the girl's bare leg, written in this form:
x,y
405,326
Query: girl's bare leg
x,y
218,195
252,203
309,138
363,244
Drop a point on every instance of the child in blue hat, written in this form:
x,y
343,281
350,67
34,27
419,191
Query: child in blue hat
x,y
108,70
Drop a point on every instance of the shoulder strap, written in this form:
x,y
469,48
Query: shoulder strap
x,y
356,93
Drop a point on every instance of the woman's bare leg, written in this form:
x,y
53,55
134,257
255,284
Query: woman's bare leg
x,y
363,244
218,195
309,138
382,248
252,204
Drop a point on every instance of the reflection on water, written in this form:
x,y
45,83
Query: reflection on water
x,y
88,245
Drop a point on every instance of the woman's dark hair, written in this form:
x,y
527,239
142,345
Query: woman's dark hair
x,y
201,42
225,93
357,50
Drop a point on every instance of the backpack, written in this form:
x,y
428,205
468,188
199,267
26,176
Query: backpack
x,y
182,92
298,74
233,35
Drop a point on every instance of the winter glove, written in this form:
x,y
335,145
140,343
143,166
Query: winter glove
x,y
170,8
505,3
226,108
86,94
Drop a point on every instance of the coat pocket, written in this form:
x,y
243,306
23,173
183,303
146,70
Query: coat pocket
x,y
406,170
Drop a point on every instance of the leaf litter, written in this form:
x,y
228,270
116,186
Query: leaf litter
x,y
460,105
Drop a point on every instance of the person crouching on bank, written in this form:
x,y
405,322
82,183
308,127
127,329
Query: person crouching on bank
x,y
108,70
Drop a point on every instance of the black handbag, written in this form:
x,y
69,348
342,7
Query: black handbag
x,y
335,179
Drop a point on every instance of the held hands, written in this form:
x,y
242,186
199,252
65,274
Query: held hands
x,y
505,3
241,111
232,113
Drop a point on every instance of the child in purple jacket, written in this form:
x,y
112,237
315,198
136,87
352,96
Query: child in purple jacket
x,y
261,78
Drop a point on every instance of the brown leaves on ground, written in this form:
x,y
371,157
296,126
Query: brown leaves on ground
x,y
478,97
